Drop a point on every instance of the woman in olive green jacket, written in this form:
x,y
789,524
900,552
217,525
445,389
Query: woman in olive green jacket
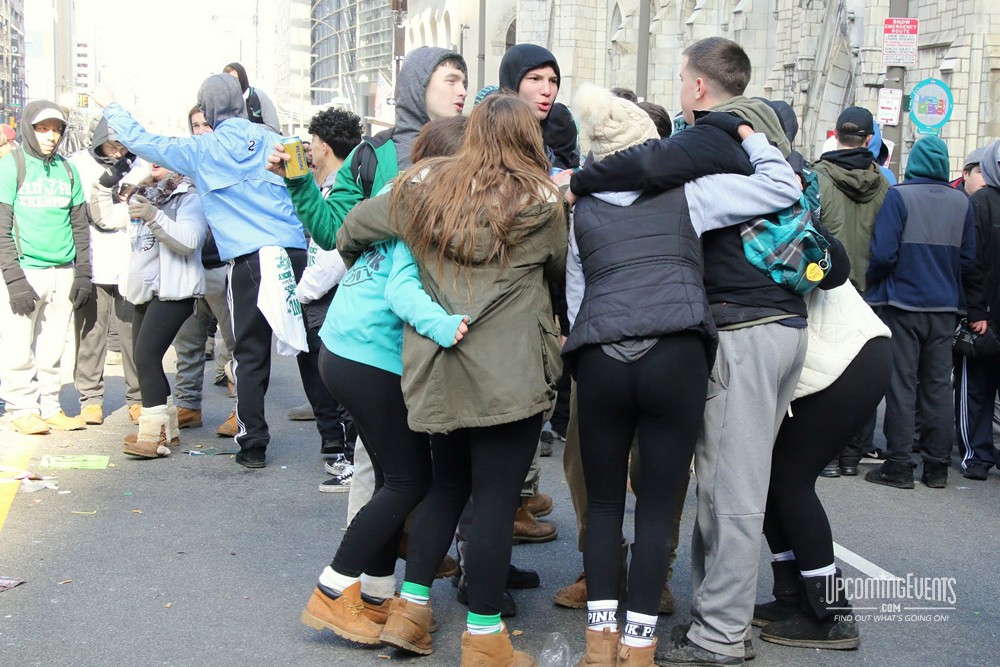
x,y
489,231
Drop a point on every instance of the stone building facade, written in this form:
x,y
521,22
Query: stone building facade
x,y
818,55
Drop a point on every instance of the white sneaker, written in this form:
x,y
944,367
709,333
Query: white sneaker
x,y
335,466
340,483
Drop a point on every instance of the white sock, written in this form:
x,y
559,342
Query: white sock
x,y
783,556
334,581
827,571
380,588
602,614
640,629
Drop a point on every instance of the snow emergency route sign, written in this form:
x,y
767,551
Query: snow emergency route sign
x,y
899,42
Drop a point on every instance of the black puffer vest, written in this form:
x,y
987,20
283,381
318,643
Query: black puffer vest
x,y
643,269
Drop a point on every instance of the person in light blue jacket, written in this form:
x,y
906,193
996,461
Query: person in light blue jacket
x,y
248,208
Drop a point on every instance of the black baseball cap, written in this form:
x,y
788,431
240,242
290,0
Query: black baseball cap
x,y
859,118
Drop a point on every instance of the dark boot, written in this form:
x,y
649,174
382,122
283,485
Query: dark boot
x,y
892,473
786,595
824,621
935,475
831,469
850,458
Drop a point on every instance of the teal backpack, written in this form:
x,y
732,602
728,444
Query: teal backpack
x,y
788,248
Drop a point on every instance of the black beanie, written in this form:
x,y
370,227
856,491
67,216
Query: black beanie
x,y
521,59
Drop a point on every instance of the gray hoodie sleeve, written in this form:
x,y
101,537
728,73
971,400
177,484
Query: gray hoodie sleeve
x,y
723,200
268,112
575,282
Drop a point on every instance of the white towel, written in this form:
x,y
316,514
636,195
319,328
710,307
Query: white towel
x,y
277,301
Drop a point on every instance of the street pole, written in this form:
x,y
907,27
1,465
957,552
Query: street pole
x,y
481,73
895,77
642,55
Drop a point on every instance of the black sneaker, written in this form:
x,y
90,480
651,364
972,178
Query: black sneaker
x,y
339,484
875,454
251,458
892,473
935,475
508,607
678,633
520,579
336,465
976,471
684,652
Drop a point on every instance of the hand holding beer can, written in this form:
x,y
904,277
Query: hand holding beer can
x,y
297,166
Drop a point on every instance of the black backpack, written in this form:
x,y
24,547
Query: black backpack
x,y
365,161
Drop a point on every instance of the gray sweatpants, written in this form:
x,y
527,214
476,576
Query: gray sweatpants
x,y
92,324
190,341
751,385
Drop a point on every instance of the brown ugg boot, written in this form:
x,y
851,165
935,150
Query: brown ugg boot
x,y
344,615
151,441
602,648
493,650
634,656
408,627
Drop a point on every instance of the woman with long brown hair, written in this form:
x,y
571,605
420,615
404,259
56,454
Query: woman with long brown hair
x,y
488,230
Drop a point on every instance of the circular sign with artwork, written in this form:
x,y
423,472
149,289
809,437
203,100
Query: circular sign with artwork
x,y
931,105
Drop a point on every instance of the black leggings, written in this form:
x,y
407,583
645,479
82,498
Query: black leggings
x,y
490,464
154,326
401,459
662,397
818,429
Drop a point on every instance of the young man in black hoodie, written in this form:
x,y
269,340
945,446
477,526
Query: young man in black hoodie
x,y
45,260
761,328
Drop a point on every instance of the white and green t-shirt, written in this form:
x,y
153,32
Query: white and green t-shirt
x,y
41,210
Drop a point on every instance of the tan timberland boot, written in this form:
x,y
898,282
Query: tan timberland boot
x,y
409,627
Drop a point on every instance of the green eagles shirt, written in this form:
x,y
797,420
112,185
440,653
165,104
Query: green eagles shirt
x,y
42,228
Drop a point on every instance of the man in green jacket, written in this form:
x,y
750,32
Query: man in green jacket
x,y
45,261
852,188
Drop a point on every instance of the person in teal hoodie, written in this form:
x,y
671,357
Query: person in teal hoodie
x,y
361,364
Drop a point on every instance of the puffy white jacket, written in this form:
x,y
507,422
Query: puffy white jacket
x,y
839,325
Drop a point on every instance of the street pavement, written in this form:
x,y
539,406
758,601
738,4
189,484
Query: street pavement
x,y
195,561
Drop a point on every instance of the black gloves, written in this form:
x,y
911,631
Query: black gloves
x,y
727,121
22,297
79,293
115,172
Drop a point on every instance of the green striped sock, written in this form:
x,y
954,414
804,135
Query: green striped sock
x,y
479,624
415,593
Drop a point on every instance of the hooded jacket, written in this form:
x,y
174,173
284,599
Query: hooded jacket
x,y
324,216
762,117
852,189
109,245
260,108
247,206
983,290
45,223
505,370
559,131
924,246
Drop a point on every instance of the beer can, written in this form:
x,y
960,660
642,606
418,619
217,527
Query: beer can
x,y
297,166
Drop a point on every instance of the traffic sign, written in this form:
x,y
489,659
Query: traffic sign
x,y
899,42
931,104
890,101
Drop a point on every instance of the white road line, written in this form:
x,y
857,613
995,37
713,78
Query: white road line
x,y
861,564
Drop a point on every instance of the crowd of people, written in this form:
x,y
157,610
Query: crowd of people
x,y
464,290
